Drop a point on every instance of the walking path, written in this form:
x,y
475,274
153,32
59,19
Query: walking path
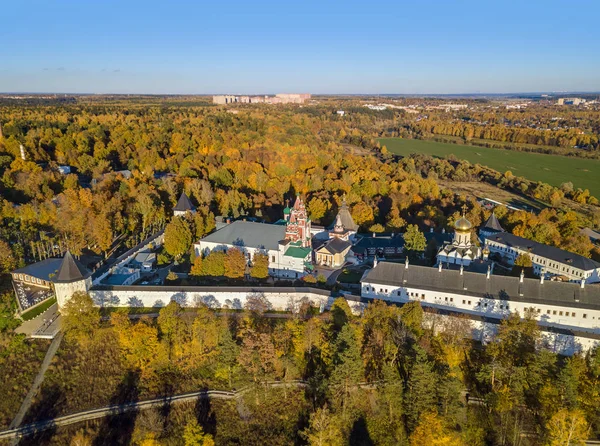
x,y
37,382
15,433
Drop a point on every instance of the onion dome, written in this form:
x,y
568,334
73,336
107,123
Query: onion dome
x,y
286,211
462,224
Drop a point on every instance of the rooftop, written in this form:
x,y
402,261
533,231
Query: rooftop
x,y
593,235
346,218
71,270
45,269
478,285
184,204
335,246
549,252
297,252
492,224
248,234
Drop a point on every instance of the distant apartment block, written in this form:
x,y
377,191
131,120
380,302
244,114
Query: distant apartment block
x,y
281,98
570,101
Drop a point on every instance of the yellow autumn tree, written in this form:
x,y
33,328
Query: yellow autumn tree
x,y
432,431
568,428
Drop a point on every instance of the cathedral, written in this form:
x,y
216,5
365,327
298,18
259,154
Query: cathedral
x,y
462,251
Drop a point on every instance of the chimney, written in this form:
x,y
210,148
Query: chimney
x,y
462,268
440,267
443,230
489,271
431,230
542,276
373,235
375,261
582,284
393,234
522,276
406,263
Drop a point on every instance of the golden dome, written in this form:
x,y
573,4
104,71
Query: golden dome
x,y
462,224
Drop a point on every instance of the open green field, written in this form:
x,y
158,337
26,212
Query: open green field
x,y
551,169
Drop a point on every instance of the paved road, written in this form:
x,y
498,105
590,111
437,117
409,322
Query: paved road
x,y
29,327
37,382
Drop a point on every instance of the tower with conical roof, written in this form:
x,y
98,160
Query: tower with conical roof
x,y
345,217
492,226
71,277
183,206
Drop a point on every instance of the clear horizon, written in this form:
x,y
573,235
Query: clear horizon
x,y
186,48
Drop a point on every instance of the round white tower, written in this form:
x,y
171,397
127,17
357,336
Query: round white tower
x,y
72,276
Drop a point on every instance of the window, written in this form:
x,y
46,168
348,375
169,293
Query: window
x,y
501,306
539,310
560,313
463,301
548,312
422,296
485,305
272,259
554,312
451,299
446,299
573,314
469,302
584,316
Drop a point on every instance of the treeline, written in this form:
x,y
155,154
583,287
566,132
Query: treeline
x,y
244,164
392,376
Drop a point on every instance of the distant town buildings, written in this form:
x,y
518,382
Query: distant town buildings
x,y
280,98
570,101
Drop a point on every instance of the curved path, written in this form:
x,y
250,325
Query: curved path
x,y
28,429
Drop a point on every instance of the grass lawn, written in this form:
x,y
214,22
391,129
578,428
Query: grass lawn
x,y
34,312
551,169
350,276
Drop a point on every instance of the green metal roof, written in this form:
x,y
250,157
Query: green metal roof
x,y
287,210
297,252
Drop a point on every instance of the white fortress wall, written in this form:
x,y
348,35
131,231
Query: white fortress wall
x,y
276,300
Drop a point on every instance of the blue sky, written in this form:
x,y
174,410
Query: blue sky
x,y
445,46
